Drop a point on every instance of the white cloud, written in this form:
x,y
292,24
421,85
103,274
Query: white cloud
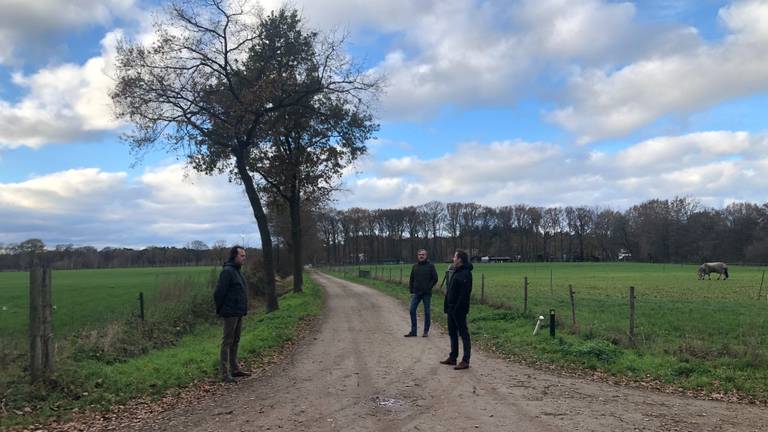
x,y
36,25
715,166
608,103
166,206
671,152
468,52
169,205
64,103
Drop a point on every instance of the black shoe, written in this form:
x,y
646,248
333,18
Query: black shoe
x,y
462,365
239,373
410,335
448,361
227,378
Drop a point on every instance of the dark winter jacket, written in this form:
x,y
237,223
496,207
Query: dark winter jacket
x,y
423,278
458,292
231,295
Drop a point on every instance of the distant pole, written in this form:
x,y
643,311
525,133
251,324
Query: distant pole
x,y
760,293
401,274
632,315
525,295
573,307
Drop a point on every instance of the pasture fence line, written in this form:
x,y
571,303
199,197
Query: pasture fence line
x,y
611,311
378,273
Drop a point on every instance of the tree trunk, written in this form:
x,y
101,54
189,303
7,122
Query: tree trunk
x,y
270,293
294,204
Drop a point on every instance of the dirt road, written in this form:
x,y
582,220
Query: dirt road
x,y
358,373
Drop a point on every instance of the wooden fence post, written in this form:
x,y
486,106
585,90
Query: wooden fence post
x,y
141,305
760,293
40,331
482,288
525,295
632,316
552,323
573,308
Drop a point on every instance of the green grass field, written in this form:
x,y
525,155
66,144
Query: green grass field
x,y
90,383
700,334
673,309
86,298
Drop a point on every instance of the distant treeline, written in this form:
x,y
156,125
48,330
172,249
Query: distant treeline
x,y
677,230
66,257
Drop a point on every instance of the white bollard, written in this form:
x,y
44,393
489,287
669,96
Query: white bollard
x,y
538,325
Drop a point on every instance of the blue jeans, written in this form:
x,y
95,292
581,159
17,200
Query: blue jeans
x,y
415,299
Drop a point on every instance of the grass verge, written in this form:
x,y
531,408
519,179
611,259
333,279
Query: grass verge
x,y
91,384
508,333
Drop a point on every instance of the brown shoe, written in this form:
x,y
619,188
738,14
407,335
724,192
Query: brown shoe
x,y
462,365
448,361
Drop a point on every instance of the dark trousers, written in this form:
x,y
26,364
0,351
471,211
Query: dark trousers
x,y
415,299
457,326
229,343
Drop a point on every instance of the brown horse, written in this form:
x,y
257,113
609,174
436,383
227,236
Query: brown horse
x,y
720,268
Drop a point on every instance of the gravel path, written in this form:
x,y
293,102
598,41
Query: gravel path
x,y
358,373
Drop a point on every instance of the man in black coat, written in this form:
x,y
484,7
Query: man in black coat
x,y
457,295
231,298
423,279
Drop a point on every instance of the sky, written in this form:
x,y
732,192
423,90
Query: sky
x,y
501,102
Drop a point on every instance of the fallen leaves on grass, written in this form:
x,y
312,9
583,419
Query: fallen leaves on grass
x,y
141,411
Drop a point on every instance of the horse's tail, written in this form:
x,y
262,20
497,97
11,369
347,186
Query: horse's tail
x,y
725,270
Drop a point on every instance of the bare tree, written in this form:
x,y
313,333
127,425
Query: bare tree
x,y
434,217
453,221
222,84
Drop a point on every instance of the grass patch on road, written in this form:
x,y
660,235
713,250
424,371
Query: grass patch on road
x,y
508,332
94,384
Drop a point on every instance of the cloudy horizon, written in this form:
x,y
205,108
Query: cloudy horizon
x,y
543,103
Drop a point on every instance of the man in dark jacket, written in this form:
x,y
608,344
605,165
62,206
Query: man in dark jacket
x,y
231,298
423,279
457,295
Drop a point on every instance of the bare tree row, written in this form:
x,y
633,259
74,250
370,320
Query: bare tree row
x,y
677,230
69,257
